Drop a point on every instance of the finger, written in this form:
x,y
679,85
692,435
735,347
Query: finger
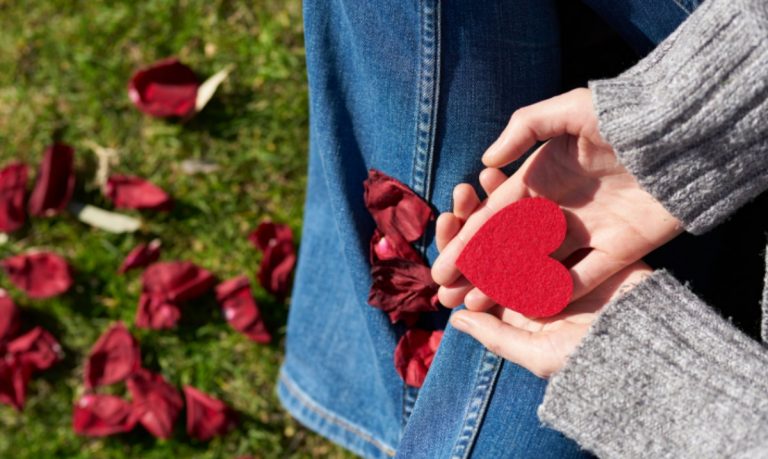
x,y
491,178
563,114
465,200
592,270
446,228
507,341
453,295
478,301
576,236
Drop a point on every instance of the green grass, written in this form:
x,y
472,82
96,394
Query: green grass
x,y
65,66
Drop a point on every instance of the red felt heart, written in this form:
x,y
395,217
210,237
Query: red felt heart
x,y
508,258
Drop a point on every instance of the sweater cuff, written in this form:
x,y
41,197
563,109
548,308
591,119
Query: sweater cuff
x,y
661,374
688,121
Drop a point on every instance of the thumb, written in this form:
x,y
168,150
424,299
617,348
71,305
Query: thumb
x,y
563,114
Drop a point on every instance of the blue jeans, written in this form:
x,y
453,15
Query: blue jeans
x,y
416,89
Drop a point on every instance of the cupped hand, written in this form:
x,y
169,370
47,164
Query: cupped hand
x,y
612,222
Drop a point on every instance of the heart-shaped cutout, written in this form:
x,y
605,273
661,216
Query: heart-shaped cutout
x,y
508,258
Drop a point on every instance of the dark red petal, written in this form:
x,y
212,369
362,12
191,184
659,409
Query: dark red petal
x,y
14,377
240,309
114,357
9,319
39,274
269,233
141,256
156,312
37,349
164,89
207,417
177,280
136,193
414,354
402,285
391,248
98,415
396,209
13,188
277,264
156,403
55,181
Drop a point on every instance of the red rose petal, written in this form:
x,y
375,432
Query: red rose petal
x,y
164,89
241,310
114,357
391,248
9,318
207,417
40,274
156,403
97,415
128,192
277,264
402,286
36,349
14,377
396,209
177,280
55,181
156,312
13,188
269,233
141,256
414,354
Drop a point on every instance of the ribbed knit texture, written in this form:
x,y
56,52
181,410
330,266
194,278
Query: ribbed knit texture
x,y
662,375
689,121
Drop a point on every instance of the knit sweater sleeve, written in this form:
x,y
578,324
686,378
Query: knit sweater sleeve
x,y
662,375
690,121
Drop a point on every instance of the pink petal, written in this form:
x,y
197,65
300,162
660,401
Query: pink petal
x,y
39,274
207,417
55,181
136,193
164,89
98,415
141,256
13,188
113,358
240,309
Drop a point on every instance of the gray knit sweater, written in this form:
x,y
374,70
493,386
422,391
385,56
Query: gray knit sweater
x,y
660,374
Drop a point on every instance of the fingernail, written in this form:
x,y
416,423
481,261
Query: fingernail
x,y
460,322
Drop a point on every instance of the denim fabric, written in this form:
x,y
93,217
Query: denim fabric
x,y
417,89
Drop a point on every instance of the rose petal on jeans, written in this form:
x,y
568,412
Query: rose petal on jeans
x,y
396,209
402,286
414,354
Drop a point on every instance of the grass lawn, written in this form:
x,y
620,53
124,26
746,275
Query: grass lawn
x,y
64,67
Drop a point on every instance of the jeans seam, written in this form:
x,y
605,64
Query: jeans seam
x,y
485,380
682,7
313,406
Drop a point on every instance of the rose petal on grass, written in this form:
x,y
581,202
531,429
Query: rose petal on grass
x,y
156,312
142,255
277,264
129,192
240,309
14,377
207,416
99,415
166,88
414,354
13,189
269,233
402,286
396,209
156,403
37,349
178,281
113,358
9,319
55,181
39,274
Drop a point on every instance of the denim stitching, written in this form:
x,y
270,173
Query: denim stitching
x,y
490,365
682,7
313,406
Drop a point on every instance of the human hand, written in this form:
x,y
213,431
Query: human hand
x,y
610,217
544,345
